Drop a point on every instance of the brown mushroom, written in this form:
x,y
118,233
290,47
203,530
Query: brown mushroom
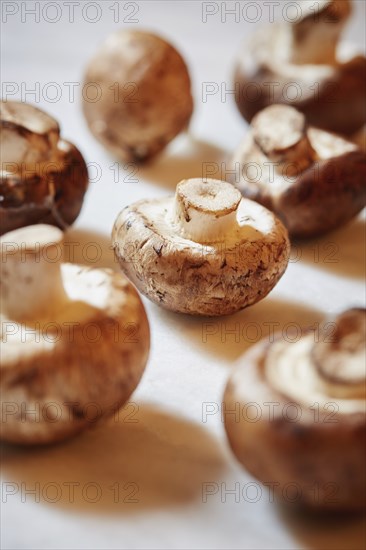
x,y
313,180
74,340
143,94
284,63
295,415
43,178
205,252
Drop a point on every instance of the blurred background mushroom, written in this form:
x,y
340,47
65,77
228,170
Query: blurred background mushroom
x,y
311,425
305,64
145,94
315,181
43,177
64,344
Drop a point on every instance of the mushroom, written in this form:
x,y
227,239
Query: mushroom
x,y
141,95
295,414
283,63
74,340
43,178
313,180
205,252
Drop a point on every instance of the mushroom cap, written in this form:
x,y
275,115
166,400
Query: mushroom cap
x,y
145,94
214,278
302,438
77,368
53,197
27,133
282,63
326,189
43,178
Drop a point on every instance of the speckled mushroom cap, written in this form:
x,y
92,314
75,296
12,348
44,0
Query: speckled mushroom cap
x,y
299,418
283,63
205,252
43,178
141,94
74,340
313,180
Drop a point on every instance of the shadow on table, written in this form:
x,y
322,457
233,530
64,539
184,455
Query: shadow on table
x,y
230,336
194,159
142,458
325,531
341,252
86,247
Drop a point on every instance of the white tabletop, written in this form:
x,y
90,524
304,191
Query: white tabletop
x,y
167,450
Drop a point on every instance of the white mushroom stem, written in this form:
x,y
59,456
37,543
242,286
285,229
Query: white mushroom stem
x,y
342,358
280,132
206,209
316,30
290,370
31,281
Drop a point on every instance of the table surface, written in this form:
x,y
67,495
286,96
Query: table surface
x,y
152,464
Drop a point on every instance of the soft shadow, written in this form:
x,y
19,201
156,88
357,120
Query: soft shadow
x,y
342,251
89,248
142,458
328,531
190,158
230,336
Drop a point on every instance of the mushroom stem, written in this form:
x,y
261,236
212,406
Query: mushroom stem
x,y
206,209
317,23
340,360
280,132
31,279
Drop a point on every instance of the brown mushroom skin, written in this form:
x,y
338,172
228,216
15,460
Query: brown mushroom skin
x,y
53,197
86,381
337,104
25,201
324,459
324,198
241,277
43,178
154,102
70,185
